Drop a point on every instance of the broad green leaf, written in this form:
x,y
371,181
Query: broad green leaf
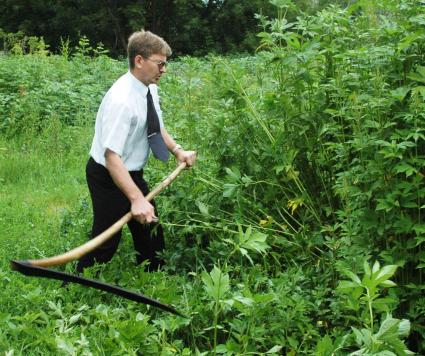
x,y
279,169
293,41
352,276
419,228
221,349
419,90
251,240
245,236
274,349
419,75
56,308
404,328
387,284
363,336
419,19
385,273
229,190
419,240
325,346
383,204
216,283
385,304
405,168
369,283
243,251
388,328
366,281
256,242
400,93
376,267
383,353
347,285
73,319
264,298
243,300
63,345
246,254
359,336
234,174
247,180
202,207
395,344
366,268
409,204
415,286
408,40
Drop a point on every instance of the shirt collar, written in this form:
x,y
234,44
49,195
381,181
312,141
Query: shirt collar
x,y
138,84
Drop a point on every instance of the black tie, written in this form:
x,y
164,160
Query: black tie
x,y
155,139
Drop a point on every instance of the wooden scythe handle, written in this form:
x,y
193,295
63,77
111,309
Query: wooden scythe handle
x,y
104,236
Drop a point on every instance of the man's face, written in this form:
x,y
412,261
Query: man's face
x,y
149,70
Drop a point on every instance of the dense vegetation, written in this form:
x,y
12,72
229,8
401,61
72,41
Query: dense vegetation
x,y
300,230
191,26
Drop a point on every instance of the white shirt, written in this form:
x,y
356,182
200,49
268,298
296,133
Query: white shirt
x,y
121,124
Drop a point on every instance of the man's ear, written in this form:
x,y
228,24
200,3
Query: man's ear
x,y
138,61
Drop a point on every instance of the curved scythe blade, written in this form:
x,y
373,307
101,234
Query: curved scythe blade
x,y
27,269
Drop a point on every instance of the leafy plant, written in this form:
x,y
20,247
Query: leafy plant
x,y
217,285
386,341
248,241
364,295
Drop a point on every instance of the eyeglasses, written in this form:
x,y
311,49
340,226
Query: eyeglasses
x,y
161,64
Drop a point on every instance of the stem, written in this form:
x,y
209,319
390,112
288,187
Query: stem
x,y
191,326
251,107
215,327
369,302
216,311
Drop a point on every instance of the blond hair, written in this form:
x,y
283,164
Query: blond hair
x,y
146,43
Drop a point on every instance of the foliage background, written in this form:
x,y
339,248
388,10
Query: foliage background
x,y
311,157
192,26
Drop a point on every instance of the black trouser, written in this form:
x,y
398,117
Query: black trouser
x,y
109,205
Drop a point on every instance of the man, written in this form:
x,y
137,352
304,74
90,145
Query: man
x,y
129,124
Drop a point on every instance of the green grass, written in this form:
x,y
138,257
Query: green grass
x,y
38,183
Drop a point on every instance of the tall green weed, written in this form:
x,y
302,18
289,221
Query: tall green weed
x,y
320,144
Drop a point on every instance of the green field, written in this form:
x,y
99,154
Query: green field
x,y
300,229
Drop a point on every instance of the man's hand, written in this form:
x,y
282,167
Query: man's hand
x,y
143,211
186,156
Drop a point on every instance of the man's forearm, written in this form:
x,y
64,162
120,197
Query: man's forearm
x,y
182,156
169,141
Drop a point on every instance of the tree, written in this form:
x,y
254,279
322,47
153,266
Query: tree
x,y
190,26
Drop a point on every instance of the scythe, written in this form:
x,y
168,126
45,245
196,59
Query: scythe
x,y
38,268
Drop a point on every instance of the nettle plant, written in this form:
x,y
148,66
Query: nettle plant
x,y
365,297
